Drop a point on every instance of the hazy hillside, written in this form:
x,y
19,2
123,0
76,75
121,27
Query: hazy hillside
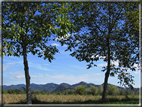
x,y
52,87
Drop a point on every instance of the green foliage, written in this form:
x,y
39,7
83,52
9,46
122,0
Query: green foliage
x,y
94,90
17,91
24,31
88,92
13,91
100,89
122,92
39,92
4,92
105,38
112,90
81,90
69,92
33,30
58,93
129,92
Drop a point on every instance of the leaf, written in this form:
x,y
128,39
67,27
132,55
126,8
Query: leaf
x,y
4,54
95,65
73,54
89,66
112,74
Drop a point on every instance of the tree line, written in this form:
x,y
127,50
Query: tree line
x,y
80,90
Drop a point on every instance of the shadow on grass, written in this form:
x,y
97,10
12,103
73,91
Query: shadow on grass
x,y
109,101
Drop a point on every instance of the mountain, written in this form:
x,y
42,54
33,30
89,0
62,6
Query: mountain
x,y
60,88
49,87
80,83
84,83
52,87
66,85
19,86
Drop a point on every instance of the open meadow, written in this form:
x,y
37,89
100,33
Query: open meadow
x,y
69,99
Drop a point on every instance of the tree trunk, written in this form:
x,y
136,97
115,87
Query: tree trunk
x,y
27,76
105,83
108,64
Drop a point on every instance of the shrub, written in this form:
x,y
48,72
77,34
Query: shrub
x,y
69,91
58,93
100,89
112,90
81,90
122,92
94,90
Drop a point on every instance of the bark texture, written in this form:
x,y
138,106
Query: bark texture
x,y
27,76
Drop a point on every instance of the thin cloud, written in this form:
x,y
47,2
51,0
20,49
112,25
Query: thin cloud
x,y
102,64
137,65
98,73
38,66
63,37
55,44
66,78
8,65
65,46
77,41
94,55
5,67
115,62
21,76
78,67
17,74
12,78
136,72
11,63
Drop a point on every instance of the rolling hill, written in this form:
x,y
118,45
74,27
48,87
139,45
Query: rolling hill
x,y
52,87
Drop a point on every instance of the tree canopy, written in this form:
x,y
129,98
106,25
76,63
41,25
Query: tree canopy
x,y
107,38
36,22
27,27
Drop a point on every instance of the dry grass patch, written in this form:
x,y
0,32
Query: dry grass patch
x,y
18,98
13,98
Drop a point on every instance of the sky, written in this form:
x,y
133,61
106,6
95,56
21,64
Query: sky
x,y
63,69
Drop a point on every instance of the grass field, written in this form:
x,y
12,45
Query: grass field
x,y
69,99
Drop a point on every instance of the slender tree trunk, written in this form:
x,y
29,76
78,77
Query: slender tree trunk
x,y
105,83
108,64
27,76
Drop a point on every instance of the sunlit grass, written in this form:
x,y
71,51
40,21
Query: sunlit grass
x,y
68,99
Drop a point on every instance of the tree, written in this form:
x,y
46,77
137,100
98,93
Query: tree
x,y
24,31
129,92
112,90
10,91
81,89
94,90
122,92
69,91
107,38
100,89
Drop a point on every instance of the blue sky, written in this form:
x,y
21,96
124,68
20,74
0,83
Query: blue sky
x,y
64,68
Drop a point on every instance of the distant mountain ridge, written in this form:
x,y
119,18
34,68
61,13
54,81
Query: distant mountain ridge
x,y
52,87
